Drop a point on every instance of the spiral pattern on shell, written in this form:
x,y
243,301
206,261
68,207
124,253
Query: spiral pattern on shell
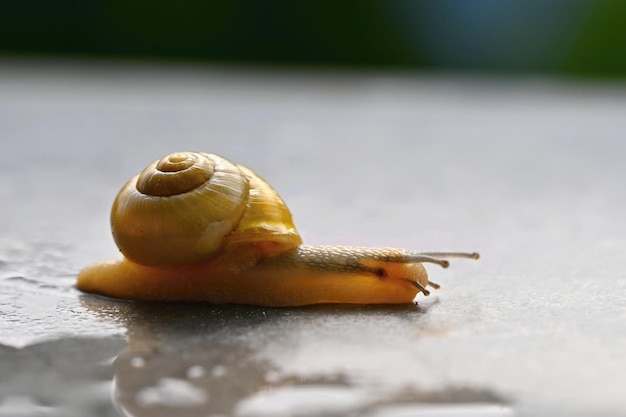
x,y
186,207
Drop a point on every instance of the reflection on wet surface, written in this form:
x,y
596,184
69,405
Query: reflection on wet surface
x,y
64,377
198,360
206,378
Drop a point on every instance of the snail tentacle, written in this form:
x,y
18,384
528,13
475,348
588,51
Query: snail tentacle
x,y
468,255
420,257
434,285
420,287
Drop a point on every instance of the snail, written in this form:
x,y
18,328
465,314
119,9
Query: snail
x,y
197,227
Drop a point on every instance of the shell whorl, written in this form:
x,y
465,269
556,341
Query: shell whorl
x,y
184,208
174,174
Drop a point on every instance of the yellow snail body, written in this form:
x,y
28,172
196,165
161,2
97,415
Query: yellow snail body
x,y
197,227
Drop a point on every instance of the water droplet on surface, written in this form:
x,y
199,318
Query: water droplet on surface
x,y
172,392
195,372
219,370
137,362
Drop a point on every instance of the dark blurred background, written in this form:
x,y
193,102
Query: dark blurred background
x,y
564,37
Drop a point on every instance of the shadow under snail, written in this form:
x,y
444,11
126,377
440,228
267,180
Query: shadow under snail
x,y
197,227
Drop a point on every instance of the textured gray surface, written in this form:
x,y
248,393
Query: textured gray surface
x,y
528,172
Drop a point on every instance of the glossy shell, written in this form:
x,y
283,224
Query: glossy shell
x,y
186,207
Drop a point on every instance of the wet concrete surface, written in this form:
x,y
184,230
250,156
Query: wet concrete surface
x,y
528,172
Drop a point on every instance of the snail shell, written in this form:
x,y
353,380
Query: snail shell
x,y
186,207
197,227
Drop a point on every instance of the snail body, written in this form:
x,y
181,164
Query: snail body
x,y
197,227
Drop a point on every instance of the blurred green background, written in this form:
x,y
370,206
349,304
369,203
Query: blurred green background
x,y
568,37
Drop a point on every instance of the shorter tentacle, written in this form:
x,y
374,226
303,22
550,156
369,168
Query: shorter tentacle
x,y
419,287
434,285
